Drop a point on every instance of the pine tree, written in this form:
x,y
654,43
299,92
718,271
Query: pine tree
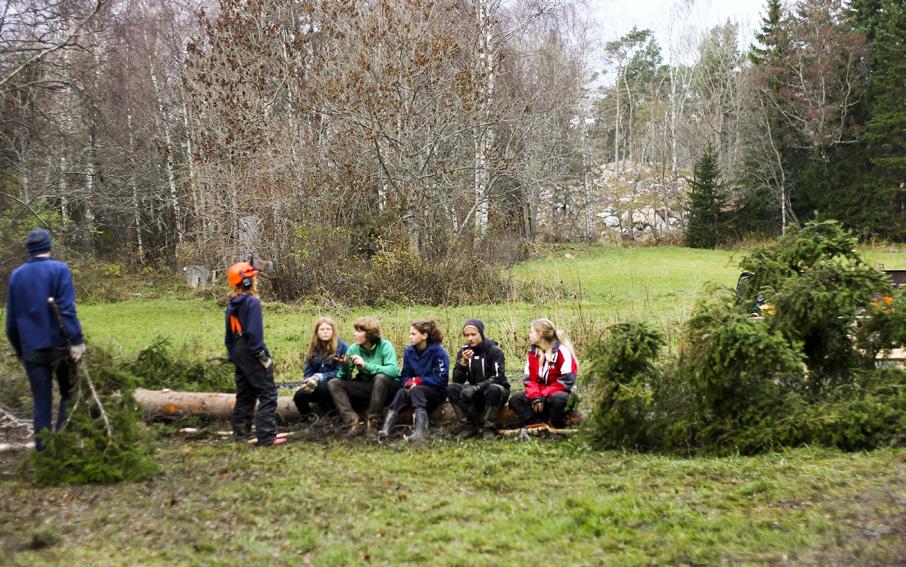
x,y
705,201
885,132
767,37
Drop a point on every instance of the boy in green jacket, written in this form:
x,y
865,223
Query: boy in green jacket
x,y
369,373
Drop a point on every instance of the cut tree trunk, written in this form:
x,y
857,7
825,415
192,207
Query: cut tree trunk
x,y
167,404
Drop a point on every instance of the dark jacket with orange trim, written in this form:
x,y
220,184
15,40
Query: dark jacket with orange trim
x,y
543,377
247,309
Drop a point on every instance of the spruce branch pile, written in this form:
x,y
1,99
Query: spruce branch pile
x,y
103,440
804,373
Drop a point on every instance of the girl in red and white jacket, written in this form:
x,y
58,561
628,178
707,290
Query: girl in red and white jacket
x,y
549,377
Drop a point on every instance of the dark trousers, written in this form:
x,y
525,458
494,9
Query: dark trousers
x,y
320,395
253,383
41,366
493,397
376,391
416,397
554,409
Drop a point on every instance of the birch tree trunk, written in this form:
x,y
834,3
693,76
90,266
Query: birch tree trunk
x,y
168,147
136,208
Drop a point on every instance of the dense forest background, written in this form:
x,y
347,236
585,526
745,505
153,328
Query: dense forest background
x,y
353,140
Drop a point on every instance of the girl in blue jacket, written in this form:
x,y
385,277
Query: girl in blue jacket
x,y
424,378
321,365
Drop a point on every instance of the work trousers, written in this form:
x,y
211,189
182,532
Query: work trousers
x,y
554,409
254,383
41,365
493,397
374,390
320,395
416,397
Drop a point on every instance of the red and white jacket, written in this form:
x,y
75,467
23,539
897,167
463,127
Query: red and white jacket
x,y
543,377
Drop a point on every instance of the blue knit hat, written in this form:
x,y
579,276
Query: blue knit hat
x,y
37,241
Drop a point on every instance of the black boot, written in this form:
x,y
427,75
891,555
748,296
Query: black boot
x,y
389,422
465,426
421,427
490,422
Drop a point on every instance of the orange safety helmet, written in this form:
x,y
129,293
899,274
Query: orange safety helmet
x,y
241,273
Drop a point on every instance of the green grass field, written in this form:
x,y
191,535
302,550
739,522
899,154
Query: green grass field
x,y
507,502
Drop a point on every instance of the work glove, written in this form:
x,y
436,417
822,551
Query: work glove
x,y
76,352
266,362
311,383
538,405
468,392
412,382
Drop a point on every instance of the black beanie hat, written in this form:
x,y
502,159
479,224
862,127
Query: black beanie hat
x,y
477,324
37,241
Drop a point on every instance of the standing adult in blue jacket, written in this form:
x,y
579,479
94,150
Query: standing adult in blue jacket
x,y
46,345
321,365
244,340
424,378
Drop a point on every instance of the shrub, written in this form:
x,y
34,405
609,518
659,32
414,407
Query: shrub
x,y
803,373
332,265
867,413
818,285
623,376
742,376
89,449
157,367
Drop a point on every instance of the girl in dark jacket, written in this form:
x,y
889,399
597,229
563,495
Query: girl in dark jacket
x,y
244,341
321,365
424,378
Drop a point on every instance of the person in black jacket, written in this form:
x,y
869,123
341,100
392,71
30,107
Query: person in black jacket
x,y
244,340
479,387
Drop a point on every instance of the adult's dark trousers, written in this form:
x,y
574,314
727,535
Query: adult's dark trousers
x,y
554,409
422,396
41,366
320,395
494,396
254,383
374,390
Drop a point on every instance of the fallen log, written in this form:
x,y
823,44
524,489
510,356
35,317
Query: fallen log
x,y
168,404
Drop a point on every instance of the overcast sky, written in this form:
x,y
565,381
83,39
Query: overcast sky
x,y
686,17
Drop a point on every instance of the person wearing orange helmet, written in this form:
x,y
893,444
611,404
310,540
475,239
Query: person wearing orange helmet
x,y
244,341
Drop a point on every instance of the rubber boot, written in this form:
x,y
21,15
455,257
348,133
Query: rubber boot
x,y
490,423
389,422
421,427
465,428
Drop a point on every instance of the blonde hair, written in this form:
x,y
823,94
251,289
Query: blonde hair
x,y
371,326
550,333
316,346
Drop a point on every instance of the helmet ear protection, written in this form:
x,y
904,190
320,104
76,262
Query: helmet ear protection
x,y
242,274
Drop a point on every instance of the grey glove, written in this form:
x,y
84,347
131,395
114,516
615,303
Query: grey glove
x,y
266,362
76,352
311,383
468,392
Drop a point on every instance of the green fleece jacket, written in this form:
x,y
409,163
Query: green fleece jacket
x,y
381,359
